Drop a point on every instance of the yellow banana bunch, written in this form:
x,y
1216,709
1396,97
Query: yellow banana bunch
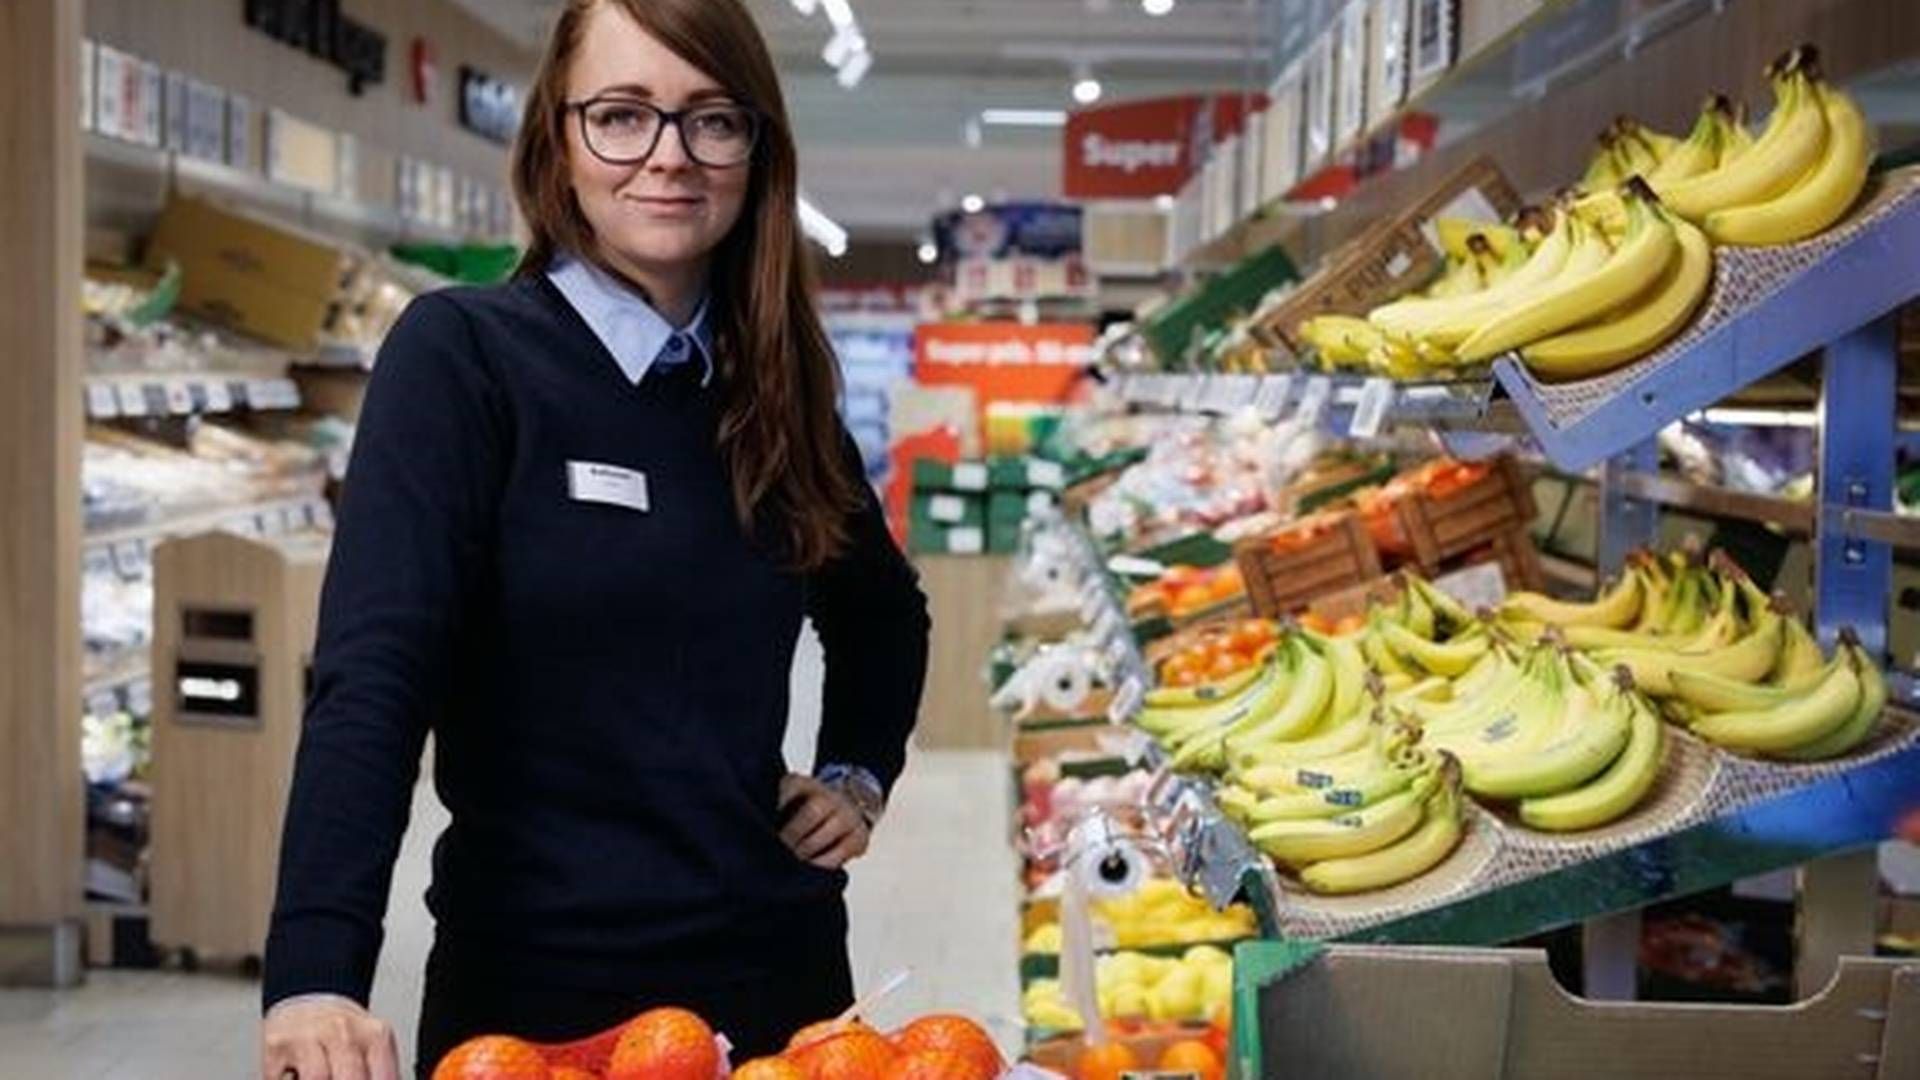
x,y
1435,837
1823,714
1617,789
1343,341
1821,194
1793,142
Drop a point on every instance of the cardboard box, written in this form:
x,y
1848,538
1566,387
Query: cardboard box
x,y
1470,1014
256,277
1393,256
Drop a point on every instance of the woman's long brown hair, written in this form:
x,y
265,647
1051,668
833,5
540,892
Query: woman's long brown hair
x,y
793,483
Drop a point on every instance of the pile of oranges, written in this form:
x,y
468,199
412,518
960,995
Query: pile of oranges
x,y
674,1044
1185,590
1111,1061
1218,652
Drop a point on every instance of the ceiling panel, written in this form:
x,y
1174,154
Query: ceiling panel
x,y
883,157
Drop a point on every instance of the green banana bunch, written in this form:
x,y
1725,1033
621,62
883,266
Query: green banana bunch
x,y
1823,714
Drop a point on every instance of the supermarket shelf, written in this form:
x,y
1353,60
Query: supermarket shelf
x,y
298,205
1791,516
141,394
1895,530
127,548
1768,307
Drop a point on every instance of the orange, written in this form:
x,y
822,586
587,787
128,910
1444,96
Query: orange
x,y
568,1072
954,1033
769,1068
851,1055
493,1057
939,1065
665,1044
1194,1056
1106,1062
822,1031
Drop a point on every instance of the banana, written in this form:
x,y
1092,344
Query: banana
x,y
1615,608
1699,153
1446,609
1303,709
1450,659
1179,724
1659,589
1591,736
1297,843
1800,656
1820,197
1604,210
1574,297
1792,143
1456,236
1735,139
1264,767
1640,327
1718,694
1349,677
1458,279
1616,790
1448,322
1873,700
1440,831
1373,646
1602,173
1633,156
1269,772
1338,798
1746,659
1796,723
1179,697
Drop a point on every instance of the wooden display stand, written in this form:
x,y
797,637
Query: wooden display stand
x,y
233,636
963,598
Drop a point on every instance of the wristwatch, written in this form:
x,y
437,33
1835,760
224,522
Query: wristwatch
x,y
860,787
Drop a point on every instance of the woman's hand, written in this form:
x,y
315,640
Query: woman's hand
x,y
826,829
326,1038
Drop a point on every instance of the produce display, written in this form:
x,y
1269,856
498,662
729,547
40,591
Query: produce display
x,y
1193,988
1187,590
675,1044
1621,263
1217,661
1162,912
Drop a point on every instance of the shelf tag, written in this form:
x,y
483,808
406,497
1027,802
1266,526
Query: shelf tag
x,y
1314,399
1271,399
260,393
179,398
1235,392
197,397
158,402
237,392
219,397
132,401
102,402
1376,397
1126,700
1193,393
970,476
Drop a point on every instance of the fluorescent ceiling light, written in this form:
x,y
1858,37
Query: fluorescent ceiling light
x,y
839,13
822,229
1024,117
1747,417
1163,202
1086,88
928,253
805,7
1156,8
973,204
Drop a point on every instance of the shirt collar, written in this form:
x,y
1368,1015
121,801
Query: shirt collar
x,y
637,336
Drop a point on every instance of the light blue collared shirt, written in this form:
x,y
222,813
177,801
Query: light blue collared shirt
x,y
637,336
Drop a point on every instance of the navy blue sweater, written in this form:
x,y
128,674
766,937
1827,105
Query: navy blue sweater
x,y
607,687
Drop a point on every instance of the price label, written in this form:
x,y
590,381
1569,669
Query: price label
x,y
1193,393
1126,700
102,402
1231,392
132,401
219,397
1270,400
197,397
237,393
1376,398
174,396
158,401
260,394
1314,399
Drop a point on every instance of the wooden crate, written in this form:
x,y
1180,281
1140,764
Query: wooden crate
x,y
1439,529
232,643
1280,584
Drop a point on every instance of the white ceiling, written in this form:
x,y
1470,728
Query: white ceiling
x,y
884,157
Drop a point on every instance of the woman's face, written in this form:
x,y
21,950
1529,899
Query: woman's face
x,y
664,215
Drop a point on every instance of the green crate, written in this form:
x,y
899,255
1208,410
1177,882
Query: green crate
x,y
1173,330
929,539
1025,474
931,475
1014,507
947,509
1200,549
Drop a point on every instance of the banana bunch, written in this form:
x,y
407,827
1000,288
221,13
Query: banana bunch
x,y
1797,177
1808,710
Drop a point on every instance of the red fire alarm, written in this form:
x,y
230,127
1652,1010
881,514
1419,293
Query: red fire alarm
x,y
426,71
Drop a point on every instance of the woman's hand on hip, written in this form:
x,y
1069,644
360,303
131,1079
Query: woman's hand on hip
x,y
326,1037
826,829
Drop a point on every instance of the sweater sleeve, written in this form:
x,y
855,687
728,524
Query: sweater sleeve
x,y
414,529
872,619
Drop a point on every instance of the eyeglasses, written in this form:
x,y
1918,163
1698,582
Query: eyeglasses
x,y
626,131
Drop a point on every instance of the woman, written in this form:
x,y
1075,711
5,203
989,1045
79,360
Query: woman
x,y
586,513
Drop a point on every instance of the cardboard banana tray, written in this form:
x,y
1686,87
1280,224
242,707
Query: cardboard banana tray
x,y
1699,785
1498,1014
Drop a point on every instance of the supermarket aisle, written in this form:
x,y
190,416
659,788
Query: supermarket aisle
x,y
937,895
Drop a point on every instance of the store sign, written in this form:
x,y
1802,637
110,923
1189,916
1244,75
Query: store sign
x,y
938,345
489,107
318,28
1140,149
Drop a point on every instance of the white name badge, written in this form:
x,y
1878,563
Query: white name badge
x,y
610,485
